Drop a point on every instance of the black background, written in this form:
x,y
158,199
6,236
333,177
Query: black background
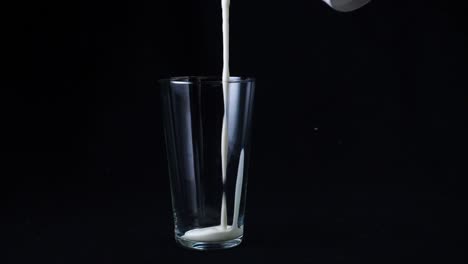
x,y
359,140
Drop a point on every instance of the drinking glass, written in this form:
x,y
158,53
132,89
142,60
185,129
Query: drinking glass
x,y
208,206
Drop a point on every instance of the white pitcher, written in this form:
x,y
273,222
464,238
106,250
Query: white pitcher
x,y
346,5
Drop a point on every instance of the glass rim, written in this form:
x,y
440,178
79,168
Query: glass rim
x,y
206,79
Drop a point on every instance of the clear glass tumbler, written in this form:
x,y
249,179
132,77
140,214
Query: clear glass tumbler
x,y
208,202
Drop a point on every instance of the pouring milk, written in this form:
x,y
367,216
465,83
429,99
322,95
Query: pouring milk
x,y
223,231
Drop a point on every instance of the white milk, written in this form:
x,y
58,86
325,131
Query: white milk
x,y
224,134
220,232
223,231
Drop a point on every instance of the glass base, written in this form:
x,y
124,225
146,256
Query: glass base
x,y
203,246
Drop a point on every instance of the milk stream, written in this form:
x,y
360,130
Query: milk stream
x,y
223,231
225,80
